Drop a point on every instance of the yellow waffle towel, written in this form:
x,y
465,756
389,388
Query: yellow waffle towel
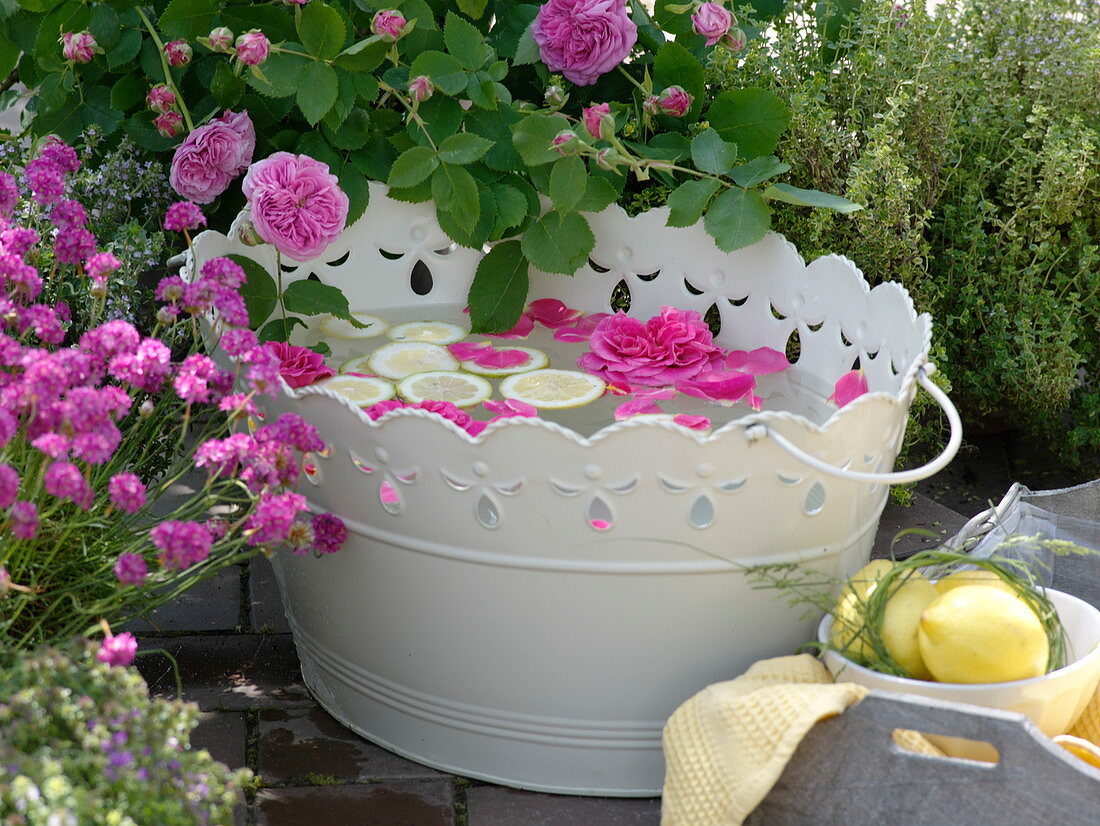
x,y
727,746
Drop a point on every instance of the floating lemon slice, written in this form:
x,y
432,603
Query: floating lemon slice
x,y
432,332
339,328
403,358
459,389
553,389
356,365
535,360
359,390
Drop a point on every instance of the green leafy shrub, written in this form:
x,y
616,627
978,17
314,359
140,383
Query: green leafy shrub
x,y
82,743
970,135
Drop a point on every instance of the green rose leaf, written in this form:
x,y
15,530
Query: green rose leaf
x,y
465,42
711,154
317,90
454,189
738,217
676,66
670,18
104,26
444,70
532,137
127,48
226,87
528,50
751,118
188,18
598,195
463,148
758,170
279,329
308,297
128,91
322,30
568,183
259,291
472,8
809,197
511,208
364,56
282,75
355,186
559,242
498,293
687,202
412,167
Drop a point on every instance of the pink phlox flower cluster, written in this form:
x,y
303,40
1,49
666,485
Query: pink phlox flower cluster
x,y
118,649
61,155
17,240
184,215
146,368
216,288
329,532
9,194
8,425
73,245
131,569
18,278
239,404
109,339
45,180
65,481
222,457
126,491
263,371
44,321
181,544
196,378
293,430
273,517
24,520
68,213
101,266
9,485
237,342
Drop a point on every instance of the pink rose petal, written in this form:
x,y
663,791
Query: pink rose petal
x,y
758,362
549,312
522,329
726,386
637,407
581,329
849,387
694,422
502,359
465,351
510,407
600,524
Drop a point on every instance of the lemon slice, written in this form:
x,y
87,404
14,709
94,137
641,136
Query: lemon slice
x,y
459,389
359,390
403,358
553,389
356,365
432,332
339,328
536,359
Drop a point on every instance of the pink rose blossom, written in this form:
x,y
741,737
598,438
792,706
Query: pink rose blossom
x,y
178,52
421,88
388,25
78,46
299,366
712,21
118,649
169,124
212,156
849,387
583,39
675,102
252,48
161,99
593,117
221,39
297,204
673,346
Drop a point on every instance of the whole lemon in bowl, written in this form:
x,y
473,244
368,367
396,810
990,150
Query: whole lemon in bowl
x,y
982,634
979,577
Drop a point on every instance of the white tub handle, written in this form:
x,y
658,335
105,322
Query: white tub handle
x,y
759,431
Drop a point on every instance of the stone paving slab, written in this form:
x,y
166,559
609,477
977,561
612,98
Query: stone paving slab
x,y
429,803
223,734
496,806
924,513
231,672
213,605
266,609
295,743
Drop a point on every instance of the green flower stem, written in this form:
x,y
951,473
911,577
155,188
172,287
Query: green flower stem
x,y
411,107
167,69
645,92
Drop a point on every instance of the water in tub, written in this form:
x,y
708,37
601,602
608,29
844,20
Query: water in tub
x,y
786,391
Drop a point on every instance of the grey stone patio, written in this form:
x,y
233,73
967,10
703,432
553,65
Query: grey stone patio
x,y
238,663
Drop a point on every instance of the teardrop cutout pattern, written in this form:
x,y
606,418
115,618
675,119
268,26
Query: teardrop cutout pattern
x,y
312,470
487,512
600,515
815,499
702,512
421,279
390,498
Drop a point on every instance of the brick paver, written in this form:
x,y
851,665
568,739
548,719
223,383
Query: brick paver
x,y
431,803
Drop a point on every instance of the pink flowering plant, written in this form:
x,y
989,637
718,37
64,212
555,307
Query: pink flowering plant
x,y
101,427
516,119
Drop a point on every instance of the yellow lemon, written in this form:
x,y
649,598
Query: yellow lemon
x,y
978,577
901,621
980,634
848,615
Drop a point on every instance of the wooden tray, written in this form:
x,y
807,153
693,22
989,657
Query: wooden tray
x,y
849,771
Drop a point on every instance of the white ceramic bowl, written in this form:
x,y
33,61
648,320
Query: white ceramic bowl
x,y
1053,701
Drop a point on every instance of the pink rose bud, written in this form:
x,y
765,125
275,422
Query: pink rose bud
x,y
146,409
169,124
388,25
735,40
555,97
597,118
712,21
563,141
420,88
675,101
78,46
607,158
651,105
221,39
252,48
161,99
178,52
247,234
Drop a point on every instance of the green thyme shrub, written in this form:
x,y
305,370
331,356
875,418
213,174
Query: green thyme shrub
x,y
81,743
970,134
